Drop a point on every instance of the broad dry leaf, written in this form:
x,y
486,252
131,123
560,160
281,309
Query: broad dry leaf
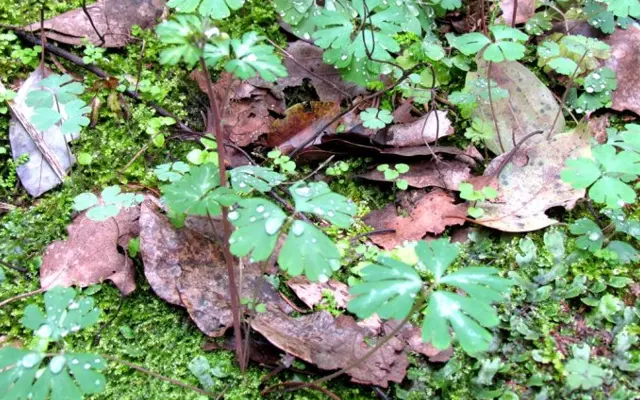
x,y
248,114
186,268
625,59
427,129
526,9
528,189
444,174
529,107
428,213
300,124
327,81
90,255
333,343
113,19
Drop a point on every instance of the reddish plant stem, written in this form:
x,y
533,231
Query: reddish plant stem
x,y
228,257
515,12
493,110
566,93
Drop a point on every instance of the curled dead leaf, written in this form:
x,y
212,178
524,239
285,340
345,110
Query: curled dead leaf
x,y
300,124
424,130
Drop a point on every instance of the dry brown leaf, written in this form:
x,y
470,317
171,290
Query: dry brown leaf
x,y
424,130
186,268
427,213
331,87
300,124
530,107
625,58
113,19
444,174
412,335
527,191
247,115
332,344
526,9
90,254
312,293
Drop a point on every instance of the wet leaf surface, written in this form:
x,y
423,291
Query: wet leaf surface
x,y
625,58
526,9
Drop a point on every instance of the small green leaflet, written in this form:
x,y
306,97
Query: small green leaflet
x,y
318,199
112,201
625,252
389,288
307,250
629,139
258,222
580,173
216,9
199,192
469,43
468,315
293,11
252,58
624,8
68,376
528,252
171,172
505,47
374,118
599,17
251,177
600,80
176,33
591,236
56,88
65,314
580,373
539,23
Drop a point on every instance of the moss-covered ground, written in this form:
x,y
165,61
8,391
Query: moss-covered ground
x,y
532,340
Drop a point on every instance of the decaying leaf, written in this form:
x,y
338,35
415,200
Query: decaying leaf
x,y
300,124
186,268
331,87
444,174
312,293
90,255
112,18
247,115
332,344
527,190
424,130
426,213
50,158
526,9
529,107
625,58
412,335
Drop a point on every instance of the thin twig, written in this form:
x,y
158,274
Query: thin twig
x,y
86,12
515,12
22,296
566,93
493,111
13,267
295,386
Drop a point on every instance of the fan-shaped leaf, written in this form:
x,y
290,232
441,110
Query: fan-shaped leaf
x,y
249,177
318,199
258,224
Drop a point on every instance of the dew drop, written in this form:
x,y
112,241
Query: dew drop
x,y
297,228
87,366
30,360
260,209
322,278
233,215
75,361
589,89
44,331
594,236
304,191
318,211
242,185
57,363
596,76
272,225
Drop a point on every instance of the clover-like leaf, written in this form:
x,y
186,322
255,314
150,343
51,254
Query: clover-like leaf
x,y
55,88
469,43
629,139
501,51
580,373
539,23
216,9
177,34
625,252
252,58
624,8
75,117
599,16
389,288
374,118
307,250
258,223
44,118
601,80
246,178
317,198
436,256
171,172
68,376
112,201
580,173
65,314
591,236
199,192
612,192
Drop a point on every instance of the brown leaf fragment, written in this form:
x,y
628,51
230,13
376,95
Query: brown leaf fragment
x,y
424,130
526,9
312,293
598,126
423,174
186,268
300,124
527,191
332,344
327,81
625,58
113,19
412,335
248,114
429,213
90,255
